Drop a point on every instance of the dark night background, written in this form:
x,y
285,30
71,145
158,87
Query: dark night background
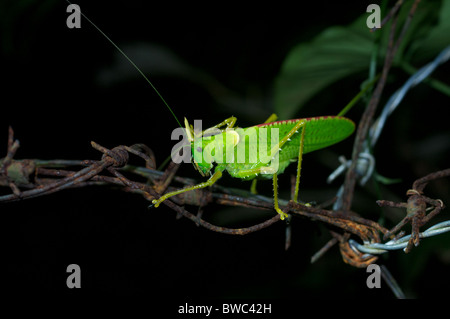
x,y
61,89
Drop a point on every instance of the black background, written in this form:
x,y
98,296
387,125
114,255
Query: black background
x,y
56,101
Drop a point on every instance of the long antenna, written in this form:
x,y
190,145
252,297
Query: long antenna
x,y
129,60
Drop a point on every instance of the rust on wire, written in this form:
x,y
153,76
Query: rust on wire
x,y
369,112
29,178
416,208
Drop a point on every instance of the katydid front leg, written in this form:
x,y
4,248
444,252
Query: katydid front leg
x,y
229,122
217,174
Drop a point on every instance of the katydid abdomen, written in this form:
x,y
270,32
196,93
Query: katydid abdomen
x,y
254,145
320,132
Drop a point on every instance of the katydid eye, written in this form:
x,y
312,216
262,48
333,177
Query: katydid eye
x,y
199,149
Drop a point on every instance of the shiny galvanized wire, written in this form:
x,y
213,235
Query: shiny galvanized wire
x,y
366,161
400,243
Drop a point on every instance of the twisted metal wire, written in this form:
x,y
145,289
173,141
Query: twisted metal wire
x,y
366,161
400,243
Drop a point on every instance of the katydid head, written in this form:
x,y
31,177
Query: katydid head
x,y
209,146
198,145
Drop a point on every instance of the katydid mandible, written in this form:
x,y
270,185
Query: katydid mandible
x,y
296,137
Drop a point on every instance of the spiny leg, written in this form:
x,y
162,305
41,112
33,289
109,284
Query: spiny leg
x,y
283,215
299,165
272,118
209,182
287,137
229,122
253,187
267,170
271,170
300,124
297,182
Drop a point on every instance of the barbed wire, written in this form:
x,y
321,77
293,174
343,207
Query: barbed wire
x,y
366,163
400,243
32,178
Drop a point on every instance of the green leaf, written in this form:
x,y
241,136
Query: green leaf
x,y
339,52
386,180
427,47
334,54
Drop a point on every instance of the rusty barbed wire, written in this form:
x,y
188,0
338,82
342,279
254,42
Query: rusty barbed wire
x,y
30,178
416,214
394,42
362,164
417,202
400,243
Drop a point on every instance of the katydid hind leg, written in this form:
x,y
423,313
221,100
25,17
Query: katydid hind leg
x,y
288,136
299,125
271,170
253,189
282,214
299,164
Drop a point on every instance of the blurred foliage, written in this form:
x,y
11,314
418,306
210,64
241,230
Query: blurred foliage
x,y
339,52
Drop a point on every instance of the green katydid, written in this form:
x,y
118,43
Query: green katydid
x,y
294,138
